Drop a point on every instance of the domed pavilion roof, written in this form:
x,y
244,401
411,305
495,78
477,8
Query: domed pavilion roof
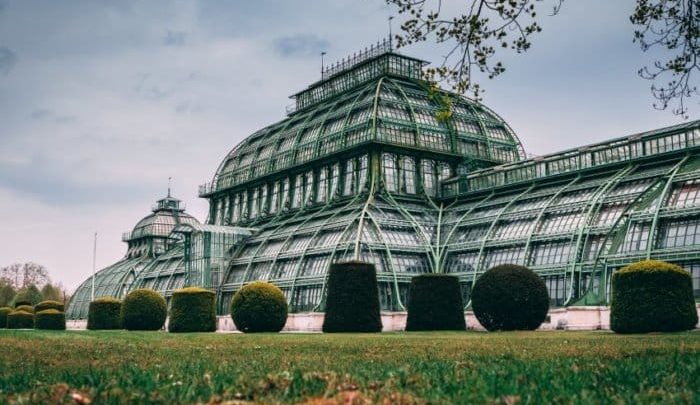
x,y
167,213
380,99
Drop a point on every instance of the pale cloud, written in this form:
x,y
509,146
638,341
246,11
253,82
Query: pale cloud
x,y
8,59
175,38
300,45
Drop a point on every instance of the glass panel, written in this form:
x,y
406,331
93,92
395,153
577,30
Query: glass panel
x,y
408,175
391,178
686,194
349,188
322,186
679,233
429,176
548,253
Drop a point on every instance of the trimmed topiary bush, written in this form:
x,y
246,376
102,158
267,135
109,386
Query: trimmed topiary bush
x,y
105,313
25,308
192,310
50,319
20,320
49,304
652,296
510,297
4,311
21,302
259,307
144,309
352,304
435,303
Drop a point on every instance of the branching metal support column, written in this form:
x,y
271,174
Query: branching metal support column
x,y
528,243
662,198
442,251
487,236
593,206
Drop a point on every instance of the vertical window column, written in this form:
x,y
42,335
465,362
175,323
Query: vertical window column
x,y
335,177
309,188
429,180
236,215
389,168
408,175
263,200
349,186
298,191
254,202
362,175
322,186
284,195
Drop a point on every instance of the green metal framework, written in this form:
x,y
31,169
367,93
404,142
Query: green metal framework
x,y
374,164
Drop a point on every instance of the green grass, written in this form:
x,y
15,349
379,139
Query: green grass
x,y
456,367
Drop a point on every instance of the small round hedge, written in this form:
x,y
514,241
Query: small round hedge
x,y
352,304
50,319
435,303
652,296
20,320
4,311
259,307
49,304
104,313
510,297
25,308
144,309
192,310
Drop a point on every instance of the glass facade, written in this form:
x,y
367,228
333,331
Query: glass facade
x,y
364,168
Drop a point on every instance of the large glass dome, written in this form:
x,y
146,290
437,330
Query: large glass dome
x,y
387,104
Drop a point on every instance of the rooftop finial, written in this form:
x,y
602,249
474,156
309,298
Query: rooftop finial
x,y
169,179
391,17
323,53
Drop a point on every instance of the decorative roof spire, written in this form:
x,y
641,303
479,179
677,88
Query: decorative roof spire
x,y
169,178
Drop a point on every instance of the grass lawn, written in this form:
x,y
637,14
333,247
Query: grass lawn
x,y
466,367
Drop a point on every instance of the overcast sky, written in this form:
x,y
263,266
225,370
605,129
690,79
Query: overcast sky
x,y
102,101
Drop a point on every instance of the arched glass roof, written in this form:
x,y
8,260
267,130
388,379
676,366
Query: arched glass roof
x,y
112,281
394,109
164,273
167,213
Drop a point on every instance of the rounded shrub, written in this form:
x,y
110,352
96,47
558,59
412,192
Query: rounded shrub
x,y
105,313
435,303
50,319
20,320
510,297
259,307
144,309
49,304
21,302
352,304
4,311
652,296
192,310
25,308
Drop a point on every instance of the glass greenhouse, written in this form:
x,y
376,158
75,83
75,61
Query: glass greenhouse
x,y
375,164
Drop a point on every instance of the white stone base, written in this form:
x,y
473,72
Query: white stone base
x,y
77,324
570,318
